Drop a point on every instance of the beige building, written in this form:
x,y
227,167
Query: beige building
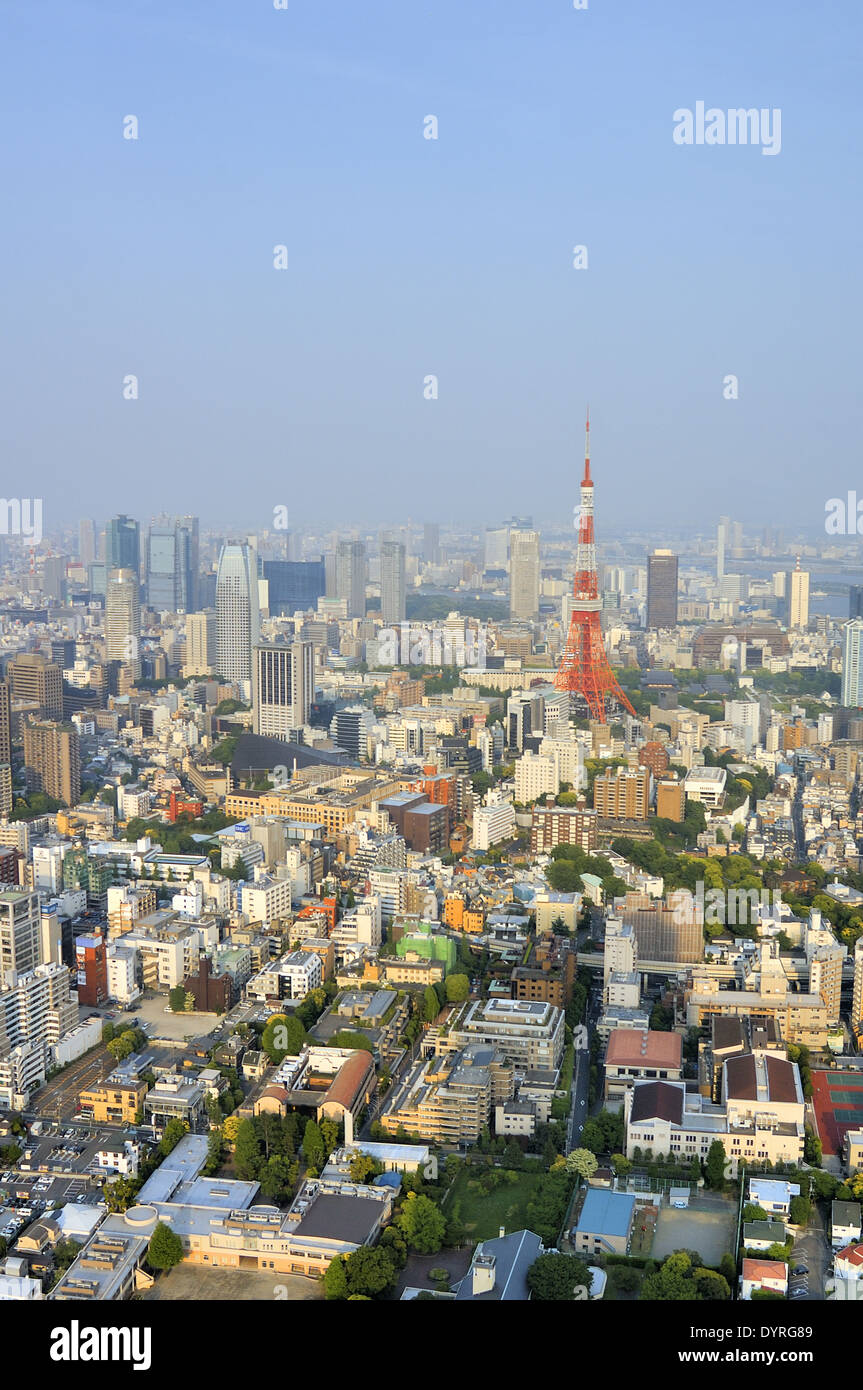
x,y
113,1102
760,1121
622,794
52,761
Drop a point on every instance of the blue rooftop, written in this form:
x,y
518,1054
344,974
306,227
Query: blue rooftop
x,y
606,1213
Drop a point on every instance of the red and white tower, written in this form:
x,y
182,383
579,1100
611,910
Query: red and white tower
x,y
584,669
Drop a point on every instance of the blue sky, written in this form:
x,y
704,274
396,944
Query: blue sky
x,y
410,257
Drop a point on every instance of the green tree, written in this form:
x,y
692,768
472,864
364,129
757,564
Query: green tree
x,y
370,1271
582,1162
177,999
554,1278
363,1168
120,1194
171,1136
247,1153
336,1279
313,1146
457,988
800,1211
422,1224
165,1249
715,1165
283,1037
431,1005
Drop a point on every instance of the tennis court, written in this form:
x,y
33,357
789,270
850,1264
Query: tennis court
x,y
838,1102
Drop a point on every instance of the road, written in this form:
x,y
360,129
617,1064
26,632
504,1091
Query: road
x,y
811,1249
578,1112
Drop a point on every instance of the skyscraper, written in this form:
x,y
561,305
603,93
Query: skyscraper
x,y
86,541
662,589
201,643
164,582
237,612
431,543
20,933
284,687
52,762
32,677
294,585
393,593
524,575
122,544
852,665
123,619
496,548
351,576
798,597
855,601
189,546
5,749
722,545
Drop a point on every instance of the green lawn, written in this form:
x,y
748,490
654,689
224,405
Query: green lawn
x,y
483,1216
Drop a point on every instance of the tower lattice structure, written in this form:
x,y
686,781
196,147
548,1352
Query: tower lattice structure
x,y
584,668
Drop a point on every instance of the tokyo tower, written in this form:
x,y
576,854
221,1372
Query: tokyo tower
x,y
584,668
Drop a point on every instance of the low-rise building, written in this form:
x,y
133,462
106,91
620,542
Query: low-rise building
x,y
633,1055
113,1101
770,1275
845,1226
605,1222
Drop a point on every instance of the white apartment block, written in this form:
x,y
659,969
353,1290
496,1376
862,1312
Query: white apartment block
x,y
292,976
706,784
529,1033
267,900
493,822
535,775
122,963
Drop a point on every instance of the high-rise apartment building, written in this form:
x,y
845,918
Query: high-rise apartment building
x,y
201,643
524,575
5,750
284,687
123,619
33,678
852,664
237,612
622,794
52,760
798,597
393,592
857,991
20,932
351,576
91,963
662,589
